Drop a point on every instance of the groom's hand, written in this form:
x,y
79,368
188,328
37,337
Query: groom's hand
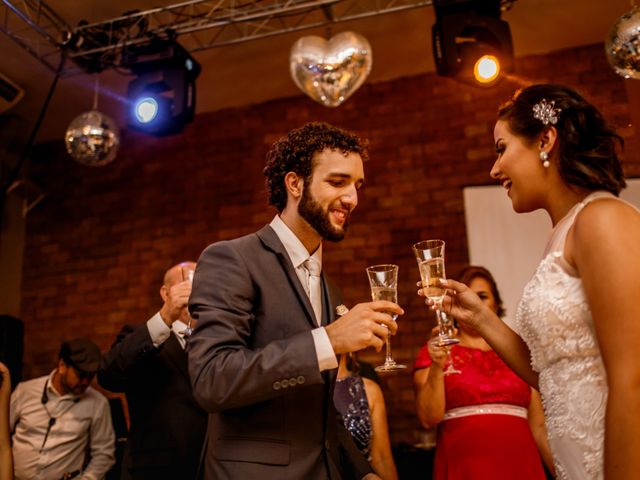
x,y
365,325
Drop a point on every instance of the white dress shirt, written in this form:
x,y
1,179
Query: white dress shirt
x,y
298,254
80,422
159,331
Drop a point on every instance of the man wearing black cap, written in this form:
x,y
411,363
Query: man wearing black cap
x,y
61,427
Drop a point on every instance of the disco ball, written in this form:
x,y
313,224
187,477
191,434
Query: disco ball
x,y
92,139
623,45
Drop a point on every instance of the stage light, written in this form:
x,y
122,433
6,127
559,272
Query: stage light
x,y
162,97
470,41
486,69
146,109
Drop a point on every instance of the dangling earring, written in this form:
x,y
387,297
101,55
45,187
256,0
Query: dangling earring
x,y
544,156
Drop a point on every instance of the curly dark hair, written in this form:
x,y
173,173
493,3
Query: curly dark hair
x,y
587,143
294,153
471,272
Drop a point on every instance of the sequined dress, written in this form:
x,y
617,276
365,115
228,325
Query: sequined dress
x,y
485,433
555,321
350,399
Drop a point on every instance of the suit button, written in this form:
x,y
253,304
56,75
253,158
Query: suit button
x,y
300,380
284,383
292,382
327,444
276,385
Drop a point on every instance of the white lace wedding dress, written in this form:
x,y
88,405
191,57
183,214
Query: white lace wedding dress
x,y
554,320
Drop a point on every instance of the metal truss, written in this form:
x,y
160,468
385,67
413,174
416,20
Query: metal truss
x,y
35,27
198,24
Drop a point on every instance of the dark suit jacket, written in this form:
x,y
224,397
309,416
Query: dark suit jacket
x,y
253,365
167,425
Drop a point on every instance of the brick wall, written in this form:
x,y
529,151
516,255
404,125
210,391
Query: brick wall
x,y
99,243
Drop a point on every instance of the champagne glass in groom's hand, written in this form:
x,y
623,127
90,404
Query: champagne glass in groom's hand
x,y
383,280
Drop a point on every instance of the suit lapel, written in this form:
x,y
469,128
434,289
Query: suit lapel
x,y
174,352
332,298
271,241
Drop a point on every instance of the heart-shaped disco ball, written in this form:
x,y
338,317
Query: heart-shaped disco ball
x,y
329,71
92,139
623,45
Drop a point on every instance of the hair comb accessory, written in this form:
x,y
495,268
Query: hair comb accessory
x,y
546,112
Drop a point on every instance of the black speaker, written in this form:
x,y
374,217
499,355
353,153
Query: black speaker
x,y
12,346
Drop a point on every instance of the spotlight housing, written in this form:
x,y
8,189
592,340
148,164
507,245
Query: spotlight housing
x,y
466,32
162,97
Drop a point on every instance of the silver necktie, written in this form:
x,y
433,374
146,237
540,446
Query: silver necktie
x,y
313,268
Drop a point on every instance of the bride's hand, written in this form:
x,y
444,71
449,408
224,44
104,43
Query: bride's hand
x,y
460,302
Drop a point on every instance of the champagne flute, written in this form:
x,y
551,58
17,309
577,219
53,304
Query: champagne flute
x,y
187,274
430,257
451,368
383,280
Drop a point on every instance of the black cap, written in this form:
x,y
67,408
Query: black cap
x,y
82,354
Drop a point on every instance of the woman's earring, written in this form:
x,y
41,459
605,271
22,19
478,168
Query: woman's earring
x,y
544,156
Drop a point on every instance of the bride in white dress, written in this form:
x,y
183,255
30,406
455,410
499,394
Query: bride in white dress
x,y
578,323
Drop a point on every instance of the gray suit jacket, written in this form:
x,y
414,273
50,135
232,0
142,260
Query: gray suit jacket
x,y
253,365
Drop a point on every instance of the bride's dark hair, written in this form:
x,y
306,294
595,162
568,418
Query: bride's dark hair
x,y
587,143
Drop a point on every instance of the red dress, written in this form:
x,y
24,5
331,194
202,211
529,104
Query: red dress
x,y
494,446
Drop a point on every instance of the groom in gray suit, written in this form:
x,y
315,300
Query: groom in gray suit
x,y
263,358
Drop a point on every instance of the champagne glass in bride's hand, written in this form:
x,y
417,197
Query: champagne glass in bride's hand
x,y
451,368
187,274
383,280
430,257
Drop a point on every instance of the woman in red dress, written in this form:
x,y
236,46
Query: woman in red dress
x,y
490,423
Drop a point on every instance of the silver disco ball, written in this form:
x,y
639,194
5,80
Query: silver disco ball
x,y
623,45
92,139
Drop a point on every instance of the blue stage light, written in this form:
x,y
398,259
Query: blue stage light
x,y
162,96
146,109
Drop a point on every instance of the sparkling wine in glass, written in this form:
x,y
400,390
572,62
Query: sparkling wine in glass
x,y
383,280
430,257
187,274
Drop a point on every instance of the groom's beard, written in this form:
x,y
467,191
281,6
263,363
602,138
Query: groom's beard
x,y
318,218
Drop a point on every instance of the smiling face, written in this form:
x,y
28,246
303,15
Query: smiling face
x,y
519,169
332,193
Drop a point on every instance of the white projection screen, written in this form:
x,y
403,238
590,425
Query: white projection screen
x,y
509,244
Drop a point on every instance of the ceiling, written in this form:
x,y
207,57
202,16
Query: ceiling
x,y
258,70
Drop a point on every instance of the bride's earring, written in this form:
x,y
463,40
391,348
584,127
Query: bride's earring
x,y
544,156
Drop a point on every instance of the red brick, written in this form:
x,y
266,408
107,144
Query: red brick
x,y
95,253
